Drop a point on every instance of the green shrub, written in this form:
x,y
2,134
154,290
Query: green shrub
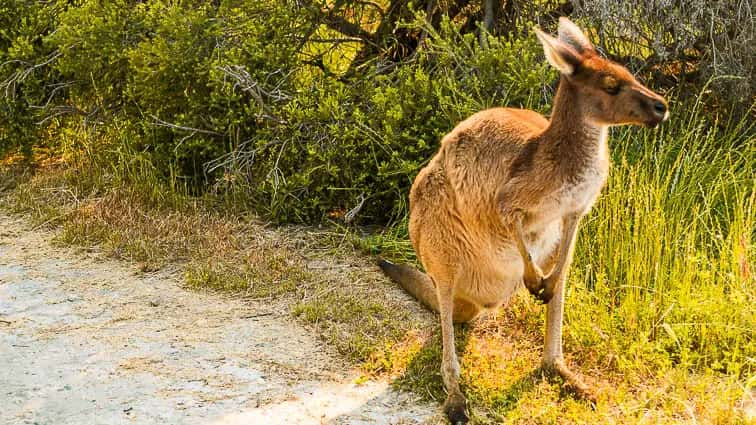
x,y
234,96
94,39
360,143
26,72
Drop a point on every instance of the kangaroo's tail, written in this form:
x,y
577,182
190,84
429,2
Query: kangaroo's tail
x,y
417,283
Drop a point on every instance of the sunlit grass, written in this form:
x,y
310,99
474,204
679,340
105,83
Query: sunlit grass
x,y
663,262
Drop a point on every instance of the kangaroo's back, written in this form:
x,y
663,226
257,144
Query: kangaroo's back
x,y
475,158
461,175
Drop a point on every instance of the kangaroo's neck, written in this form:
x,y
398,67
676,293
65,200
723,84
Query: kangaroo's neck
x,y
571,138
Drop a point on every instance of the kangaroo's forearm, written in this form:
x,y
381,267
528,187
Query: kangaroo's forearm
x,y
566,247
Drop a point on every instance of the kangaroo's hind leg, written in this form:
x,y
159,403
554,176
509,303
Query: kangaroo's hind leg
x,y
554,285
553,361
452,310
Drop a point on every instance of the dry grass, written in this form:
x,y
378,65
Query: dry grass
x,y
304,270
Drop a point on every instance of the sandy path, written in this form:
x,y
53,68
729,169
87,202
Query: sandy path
x,y
86,340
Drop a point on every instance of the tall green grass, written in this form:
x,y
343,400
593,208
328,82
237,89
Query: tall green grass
x,y
664,264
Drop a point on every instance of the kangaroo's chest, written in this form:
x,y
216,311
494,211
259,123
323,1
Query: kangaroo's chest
x,y
575,193
580,195
571,197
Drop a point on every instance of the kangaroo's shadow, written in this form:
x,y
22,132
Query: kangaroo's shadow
x,y
423,376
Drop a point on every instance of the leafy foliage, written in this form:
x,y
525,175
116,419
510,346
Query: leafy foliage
x,y
28,80
273,101
682,41
361,143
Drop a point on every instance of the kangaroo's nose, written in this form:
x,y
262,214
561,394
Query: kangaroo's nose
x,y
660,108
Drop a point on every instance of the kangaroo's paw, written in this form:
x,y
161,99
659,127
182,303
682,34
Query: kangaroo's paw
x,y
533,280
546,292
455,408
542,289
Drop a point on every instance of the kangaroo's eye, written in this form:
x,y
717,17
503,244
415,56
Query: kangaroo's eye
x,y
611,85
613,90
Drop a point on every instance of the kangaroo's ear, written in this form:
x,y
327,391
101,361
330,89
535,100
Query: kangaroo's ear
x,y
574,36
559,54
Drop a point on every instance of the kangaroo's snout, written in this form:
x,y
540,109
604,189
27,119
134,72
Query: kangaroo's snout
x,y
659,112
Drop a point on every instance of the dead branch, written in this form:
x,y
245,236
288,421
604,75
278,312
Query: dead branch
x,y
246,83
18,77
160,123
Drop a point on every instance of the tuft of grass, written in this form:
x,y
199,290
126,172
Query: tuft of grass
x,y
266,273
355,325
305,271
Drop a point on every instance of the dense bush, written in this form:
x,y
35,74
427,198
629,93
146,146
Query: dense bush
x,y
290,104
682,41
28,80
349,144
156,65
207,90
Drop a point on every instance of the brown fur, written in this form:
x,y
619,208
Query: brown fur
x,y
502,199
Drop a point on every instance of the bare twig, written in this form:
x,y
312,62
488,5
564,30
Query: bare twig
x,y
351,214
60,111
160,123
246,83
57,217
253,316
56,88
336,40
9,85
239,158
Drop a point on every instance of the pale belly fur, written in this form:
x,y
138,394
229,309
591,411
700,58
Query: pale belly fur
x,y
498,271
495,271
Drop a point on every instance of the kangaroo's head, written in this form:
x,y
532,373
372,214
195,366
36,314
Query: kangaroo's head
x,y
606,92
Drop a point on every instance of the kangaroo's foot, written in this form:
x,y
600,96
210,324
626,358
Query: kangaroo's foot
x,y
572,382
455,408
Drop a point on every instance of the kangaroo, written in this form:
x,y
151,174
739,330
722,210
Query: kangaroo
x,y
501,201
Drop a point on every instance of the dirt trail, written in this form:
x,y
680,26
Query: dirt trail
x,y
86,340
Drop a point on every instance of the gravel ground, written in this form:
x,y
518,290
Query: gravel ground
x,y
88,340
